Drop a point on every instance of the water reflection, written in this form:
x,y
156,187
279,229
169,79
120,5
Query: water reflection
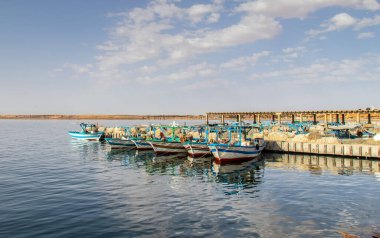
x,y
87,149
234,178
318,164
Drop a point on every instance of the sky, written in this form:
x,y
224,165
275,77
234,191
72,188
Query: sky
x,y
188,57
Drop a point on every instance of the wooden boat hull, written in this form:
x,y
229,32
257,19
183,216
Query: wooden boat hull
x,y
167,148
197,150
142,145
230,154
96,136
116,143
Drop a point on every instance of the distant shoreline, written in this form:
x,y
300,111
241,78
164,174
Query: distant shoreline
x,y
104,117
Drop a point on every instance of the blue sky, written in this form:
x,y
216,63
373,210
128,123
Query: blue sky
x,y
188,57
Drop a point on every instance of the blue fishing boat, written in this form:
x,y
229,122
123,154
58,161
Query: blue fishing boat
x,y
89,132
237,147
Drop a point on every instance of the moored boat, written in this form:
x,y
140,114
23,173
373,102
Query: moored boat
x,y
162,147
197,149
141,144
120,143
225,153
168,140
237,147
197,139
89,132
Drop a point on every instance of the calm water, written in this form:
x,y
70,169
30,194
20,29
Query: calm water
x,y
52,186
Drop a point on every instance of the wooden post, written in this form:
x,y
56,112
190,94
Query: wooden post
x,y
369,118
222,119
293,119
315,119
273,118
326,122
343,119
337,118
206,118
254,119
258,118
238,118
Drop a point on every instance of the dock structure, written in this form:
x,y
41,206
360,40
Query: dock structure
x,y
366,116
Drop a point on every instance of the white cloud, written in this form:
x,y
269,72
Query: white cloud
x,y
367,22
165,41
242,63
163,34
290,54
343,21
196,71
301,8
366,35
364,68
199,12
338,22
78,69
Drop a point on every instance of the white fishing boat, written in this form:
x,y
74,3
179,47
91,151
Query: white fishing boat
x,y
225,153
237,147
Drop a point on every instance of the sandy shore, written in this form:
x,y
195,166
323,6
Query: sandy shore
x,y
105,117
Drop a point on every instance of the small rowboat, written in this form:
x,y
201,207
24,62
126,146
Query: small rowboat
x,y
89,132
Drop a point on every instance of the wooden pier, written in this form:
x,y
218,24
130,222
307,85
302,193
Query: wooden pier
x,y
366,116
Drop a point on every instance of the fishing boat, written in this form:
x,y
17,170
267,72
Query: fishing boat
x,y
89,132
167,147
197,146
197,149
141,144
168,141
133,138
120,143
139,135
237,147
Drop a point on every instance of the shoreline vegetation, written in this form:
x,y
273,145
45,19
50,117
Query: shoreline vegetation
x,y
104,117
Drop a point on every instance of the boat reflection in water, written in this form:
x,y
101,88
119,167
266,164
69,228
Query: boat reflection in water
x,y
239,176
87,149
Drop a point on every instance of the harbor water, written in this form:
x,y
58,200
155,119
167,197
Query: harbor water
x,y
52,186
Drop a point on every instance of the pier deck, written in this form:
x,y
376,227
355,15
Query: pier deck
x,y
342,116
